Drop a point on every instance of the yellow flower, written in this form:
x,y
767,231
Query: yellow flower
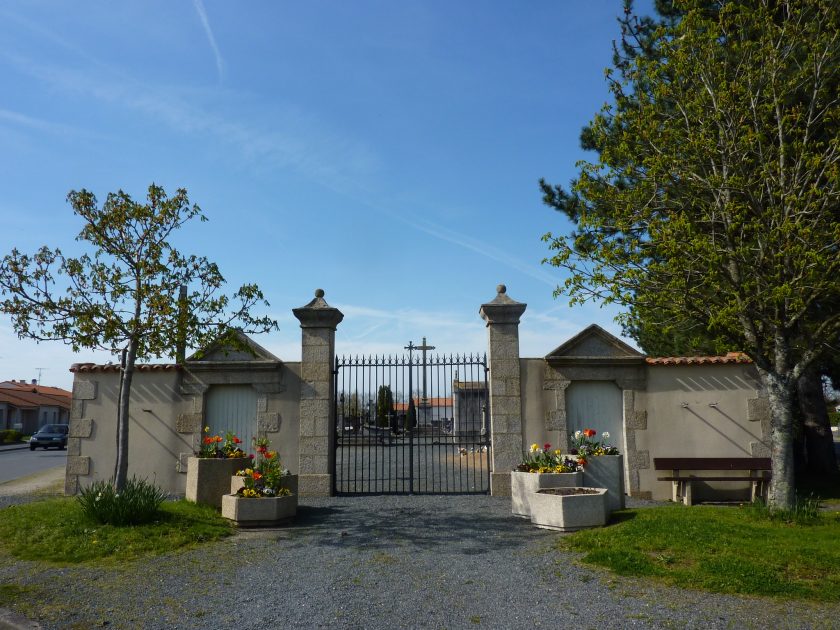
x,y
535,448
558,452
207,429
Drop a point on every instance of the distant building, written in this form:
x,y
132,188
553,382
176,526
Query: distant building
x,y
27,406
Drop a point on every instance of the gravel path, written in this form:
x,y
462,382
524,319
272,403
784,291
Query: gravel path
x,y
386,562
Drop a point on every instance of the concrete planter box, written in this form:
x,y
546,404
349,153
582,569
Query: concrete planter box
x,y
607,471
259,512
524,484
209,478
289,481
569,512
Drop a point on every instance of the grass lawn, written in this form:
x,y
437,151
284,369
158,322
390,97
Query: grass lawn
x,y
55,530
720,549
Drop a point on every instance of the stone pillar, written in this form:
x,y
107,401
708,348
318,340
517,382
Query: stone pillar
x,y
318,321
502,317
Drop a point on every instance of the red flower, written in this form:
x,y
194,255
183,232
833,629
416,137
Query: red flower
x,y
589,432
208,440
262,449
236,440
546,446
251,456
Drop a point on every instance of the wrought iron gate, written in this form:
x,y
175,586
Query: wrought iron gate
x,y
412,425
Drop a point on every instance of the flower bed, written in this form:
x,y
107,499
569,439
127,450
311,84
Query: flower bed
x,y
569,509
259,511
541,468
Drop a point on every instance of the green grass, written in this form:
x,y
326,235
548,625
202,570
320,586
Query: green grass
x,y
56,530
723,550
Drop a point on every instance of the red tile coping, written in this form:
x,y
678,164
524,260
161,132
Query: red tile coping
x,y
114,367
728,358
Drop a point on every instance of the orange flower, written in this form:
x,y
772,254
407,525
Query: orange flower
x,y
236,440
256,475
217,438
589,432
208,440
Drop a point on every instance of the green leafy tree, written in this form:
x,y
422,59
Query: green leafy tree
x,y
384,405
125,296
713,202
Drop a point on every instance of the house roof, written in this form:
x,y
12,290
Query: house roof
x,y
34,387
32,400
433,402
728,359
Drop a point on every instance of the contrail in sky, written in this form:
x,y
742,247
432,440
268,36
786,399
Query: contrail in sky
x,y
202,14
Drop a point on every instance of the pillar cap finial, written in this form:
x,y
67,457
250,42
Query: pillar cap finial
x,y
319,293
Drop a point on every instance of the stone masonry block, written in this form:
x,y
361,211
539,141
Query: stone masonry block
x,y
504,368
188,423
268,422
315,371
552,420
314,426
758,409
78,465
77,409
759,449
500,484
313,445
766,428
318,408
637,420
74,447
313,464
84,390
81,428
315,485
262,404
640,460
505,405
71,485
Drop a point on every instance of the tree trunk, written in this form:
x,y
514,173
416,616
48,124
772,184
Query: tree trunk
x,y
819,442
121,467
780,391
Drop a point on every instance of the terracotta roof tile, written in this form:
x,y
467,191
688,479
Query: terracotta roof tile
x,y
728,359
113,367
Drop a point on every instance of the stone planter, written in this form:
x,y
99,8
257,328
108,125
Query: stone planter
x,y
259,512
569,512
289,481
524,484
208,478
607,471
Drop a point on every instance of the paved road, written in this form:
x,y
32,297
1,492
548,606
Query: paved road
x,y
19,463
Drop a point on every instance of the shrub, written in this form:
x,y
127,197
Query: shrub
x,y
9,435
139,502
834,418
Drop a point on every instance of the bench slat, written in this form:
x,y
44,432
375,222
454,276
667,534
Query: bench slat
x,y
711,463
731,478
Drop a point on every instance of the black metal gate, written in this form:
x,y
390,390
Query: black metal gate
x,y
412,424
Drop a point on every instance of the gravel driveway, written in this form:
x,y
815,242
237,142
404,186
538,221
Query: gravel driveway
x,y
388,562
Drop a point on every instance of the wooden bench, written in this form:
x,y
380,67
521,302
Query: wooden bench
x,y
681,467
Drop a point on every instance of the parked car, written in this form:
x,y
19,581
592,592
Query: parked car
x,y
49,435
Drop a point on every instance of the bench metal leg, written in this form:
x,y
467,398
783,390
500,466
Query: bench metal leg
x,y
687,498
676,491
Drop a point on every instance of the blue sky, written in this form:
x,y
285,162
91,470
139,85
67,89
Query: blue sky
x,y
387,152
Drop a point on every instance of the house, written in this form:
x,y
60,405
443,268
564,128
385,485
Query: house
x,y
27,406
